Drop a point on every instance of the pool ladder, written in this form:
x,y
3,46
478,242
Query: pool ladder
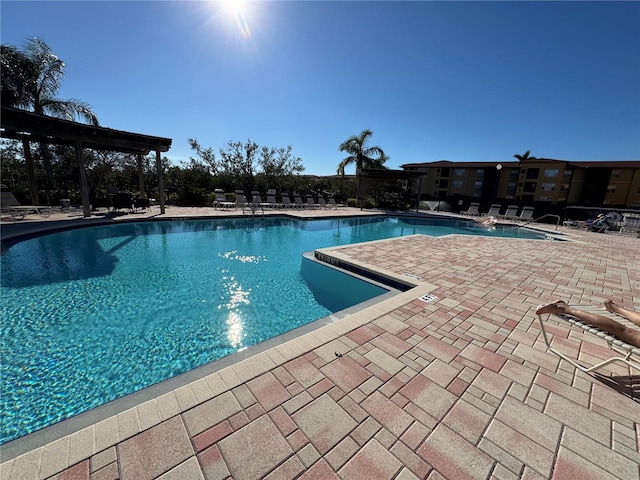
x,y
253,207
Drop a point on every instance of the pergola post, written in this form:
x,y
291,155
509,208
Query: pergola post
x,y
141,177
160,182
84,185
31,173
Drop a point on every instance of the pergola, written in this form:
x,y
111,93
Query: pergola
x,y
384,174
31,127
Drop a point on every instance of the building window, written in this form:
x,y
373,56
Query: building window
x,y
533,173
548,187
445,172
457,183
477,184
444,183
544,198
568,173
458,172
480,172
611,189
615,173
551,172
529,187
564,187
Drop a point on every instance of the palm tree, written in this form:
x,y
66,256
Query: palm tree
x,y
362,155
31,79
15,66
524,156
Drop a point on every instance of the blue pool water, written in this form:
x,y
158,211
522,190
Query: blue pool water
x,y
93,314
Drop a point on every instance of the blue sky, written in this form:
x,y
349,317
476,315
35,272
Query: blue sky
x,y
461,81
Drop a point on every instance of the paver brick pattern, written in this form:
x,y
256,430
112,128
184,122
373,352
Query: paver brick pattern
x,y
458,388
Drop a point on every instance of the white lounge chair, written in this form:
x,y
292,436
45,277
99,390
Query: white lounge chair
x,y
474,210
511,213
621,351
494,211
526,214
9,204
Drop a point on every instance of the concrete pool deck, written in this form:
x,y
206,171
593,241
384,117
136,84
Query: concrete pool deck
x,y
448,380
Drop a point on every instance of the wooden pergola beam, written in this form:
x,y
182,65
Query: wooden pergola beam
x,y
31,127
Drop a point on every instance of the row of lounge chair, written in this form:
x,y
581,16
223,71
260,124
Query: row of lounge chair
x,y
257,202
511,213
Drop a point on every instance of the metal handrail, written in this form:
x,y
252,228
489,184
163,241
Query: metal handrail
x,y
540,218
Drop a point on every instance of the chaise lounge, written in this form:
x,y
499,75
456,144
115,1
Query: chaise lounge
x,y
622,352
9,204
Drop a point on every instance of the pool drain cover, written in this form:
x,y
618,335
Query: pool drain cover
x,y
428,298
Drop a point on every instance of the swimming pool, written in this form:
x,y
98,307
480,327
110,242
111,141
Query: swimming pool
x,y
93,314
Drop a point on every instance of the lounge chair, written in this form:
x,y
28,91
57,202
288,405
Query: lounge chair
x,y
630,223
494,211
331,202
599,226
122,200
271,202
246,205
141,204
241,199
321,202
474,210
221,200
299,201
511,213
526,215
316,202
9,204
258,202
621,351
286,201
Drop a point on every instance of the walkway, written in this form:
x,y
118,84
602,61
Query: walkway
x,y
448,380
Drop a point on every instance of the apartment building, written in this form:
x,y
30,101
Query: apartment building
x,y
541,180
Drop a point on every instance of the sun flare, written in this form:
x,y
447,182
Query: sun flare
x,y
234,7
238,12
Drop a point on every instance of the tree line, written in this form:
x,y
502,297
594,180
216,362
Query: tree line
x,y
31,79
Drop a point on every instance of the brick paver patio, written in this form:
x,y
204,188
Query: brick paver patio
x,y
458,387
